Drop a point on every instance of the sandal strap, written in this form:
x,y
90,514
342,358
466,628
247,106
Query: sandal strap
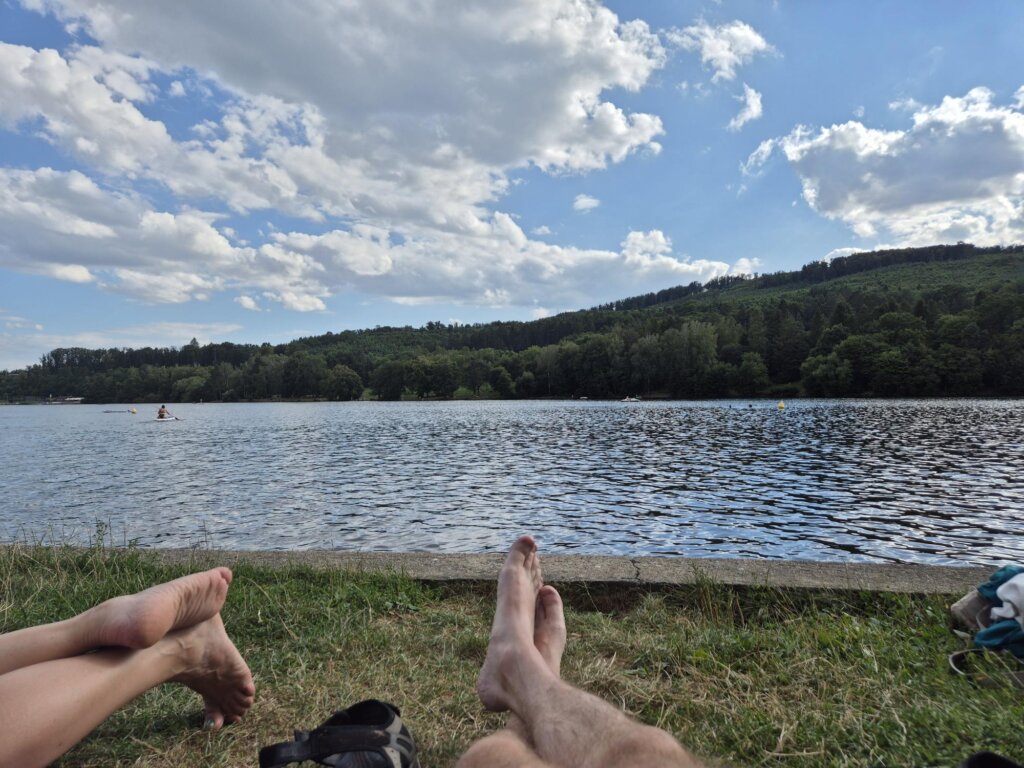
x,y
324,742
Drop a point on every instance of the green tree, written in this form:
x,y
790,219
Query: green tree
x,y
342,383
303,375
827,375
501,381
388,380
752,377
646,358
688,351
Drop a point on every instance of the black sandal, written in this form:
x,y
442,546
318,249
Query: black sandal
x,y
369,734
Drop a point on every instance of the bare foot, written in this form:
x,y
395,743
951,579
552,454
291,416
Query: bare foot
x,y
511,650
139,620
213,668
549,628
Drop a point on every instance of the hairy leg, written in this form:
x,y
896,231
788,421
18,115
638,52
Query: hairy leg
x,y
549,637
48,707
129,621
566,726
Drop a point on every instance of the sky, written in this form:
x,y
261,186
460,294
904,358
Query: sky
x,y
258,171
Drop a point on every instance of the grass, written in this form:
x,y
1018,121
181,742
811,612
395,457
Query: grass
x,y
741,676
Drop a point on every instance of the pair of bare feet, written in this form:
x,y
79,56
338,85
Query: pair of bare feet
x,y
528,633
181,619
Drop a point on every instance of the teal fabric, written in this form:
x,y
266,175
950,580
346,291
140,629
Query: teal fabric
x,y
1006,635
996,580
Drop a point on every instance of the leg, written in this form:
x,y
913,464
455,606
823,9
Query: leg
x,y
130,621
47,708
566,726
503,749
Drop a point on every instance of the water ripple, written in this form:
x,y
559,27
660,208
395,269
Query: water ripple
x,y
913,481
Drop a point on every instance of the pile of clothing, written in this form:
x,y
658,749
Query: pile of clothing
x,y
995,613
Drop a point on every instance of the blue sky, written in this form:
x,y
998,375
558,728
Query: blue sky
x,y
259,171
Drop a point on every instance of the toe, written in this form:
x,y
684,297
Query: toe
x,y
214,717
522,550
550,601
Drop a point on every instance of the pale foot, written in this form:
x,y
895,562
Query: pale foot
x,y
549,633
511,655
213,668
140,620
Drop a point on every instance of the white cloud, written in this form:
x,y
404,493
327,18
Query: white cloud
x,y
585,203
401,156
73,273
758,157
724,48
248,302
542,230
643,245
859,112
752,109
161,257
956,174
746,266
297,301
904,105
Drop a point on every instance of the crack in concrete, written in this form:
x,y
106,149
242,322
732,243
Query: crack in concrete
x,y
636,567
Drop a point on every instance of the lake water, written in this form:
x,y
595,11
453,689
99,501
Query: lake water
x,y
937,481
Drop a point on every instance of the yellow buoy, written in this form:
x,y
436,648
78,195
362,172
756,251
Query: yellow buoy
x,y
132,411
781,406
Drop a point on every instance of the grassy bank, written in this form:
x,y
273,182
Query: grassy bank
x,y
742,676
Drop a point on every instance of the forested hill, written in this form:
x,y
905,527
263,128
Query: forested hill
x,y
938,321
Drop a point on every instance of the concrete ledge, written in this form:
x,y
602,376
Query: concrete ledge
x,y
919,579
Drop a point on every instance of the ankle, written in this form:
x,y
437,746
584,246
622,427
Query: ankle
x,y
182,653
523,671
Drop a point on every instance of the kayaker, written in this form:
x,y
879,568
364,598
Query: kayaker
x,y
163,413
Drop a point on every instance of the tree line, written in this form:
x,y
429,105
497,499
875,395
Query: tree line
x,y
820,336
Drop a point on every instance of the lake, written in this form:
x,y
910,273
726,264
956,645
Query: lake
x,y
939,481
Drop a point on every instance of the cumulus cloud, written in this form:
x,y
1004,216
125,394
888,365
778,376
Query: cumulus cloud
x,y
585,203
751,108
956,174
248,302
158,256
724,48
400,157
73,273
746,266
542,230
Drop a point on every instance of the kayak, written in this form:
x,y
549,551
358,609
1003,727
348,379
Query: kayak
x,y
167,418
